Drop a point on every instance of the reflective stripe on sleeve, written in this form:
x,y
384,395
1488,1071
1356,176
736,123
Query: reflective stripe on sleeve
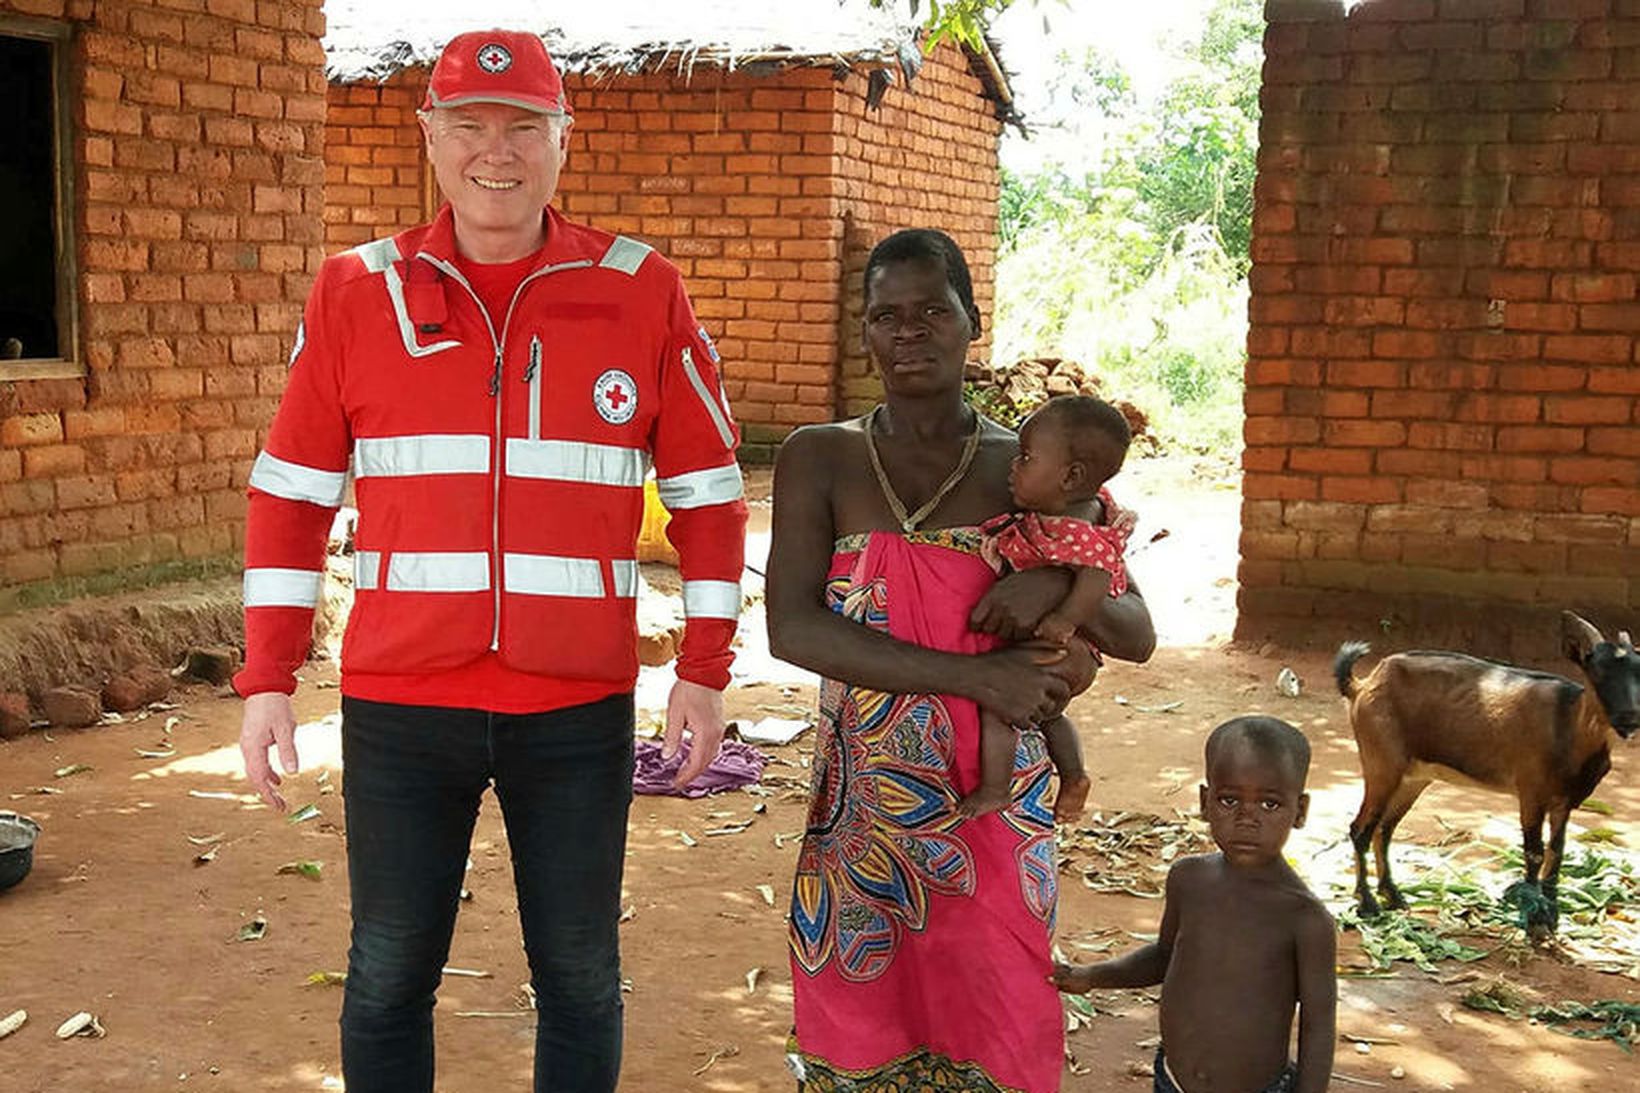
x,y
549,575
713,410
572,461
711,599
297,482
438,571
429,453
282,587
698,489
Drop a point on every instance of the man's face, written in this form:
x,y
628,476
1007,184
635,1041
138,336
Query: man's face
x,y
916,328
498,165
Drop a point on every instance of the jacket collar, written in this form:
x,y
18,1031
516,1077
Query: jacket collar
x,y
563,243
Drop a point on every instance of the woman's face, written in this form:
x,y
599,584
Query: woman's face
x,y
916,327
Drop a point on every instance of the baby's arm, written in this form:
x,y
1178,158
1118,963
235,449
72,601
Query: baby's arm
x,y
1089,587
1143,967
1317,1000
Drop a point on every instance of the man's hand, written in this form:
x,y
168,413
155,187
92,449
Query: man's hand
x,y
270,721
699,710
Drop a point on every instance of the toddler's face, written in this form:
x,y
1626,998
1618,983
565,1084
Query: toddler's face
x,y
1037,478
1252,804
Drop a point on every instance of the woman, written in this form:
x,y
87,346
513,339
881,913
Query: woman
x,y
920,943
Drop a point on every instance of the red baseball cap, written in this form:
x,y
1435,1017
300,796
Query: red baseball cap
x,y
510,67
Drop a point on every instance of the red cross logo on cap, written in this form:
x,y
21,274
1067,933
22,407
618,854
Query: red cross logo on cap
x,y
615,396
494,58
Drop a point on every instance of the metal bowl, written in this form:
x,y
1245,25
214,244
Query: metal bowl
x,y
17,835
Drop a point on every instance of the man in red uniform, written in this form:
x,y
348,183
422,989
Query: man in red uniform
x,y
501,381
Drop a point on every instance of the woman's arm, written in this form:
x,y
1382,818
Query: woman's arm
x,y
803,630
1015,605
1122,627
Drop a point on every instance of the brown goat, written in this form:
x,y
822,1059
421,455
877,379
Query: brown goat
x,y
1425,716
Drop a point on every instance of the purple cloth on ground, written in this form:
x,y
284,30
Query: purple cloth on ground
x,y
736,765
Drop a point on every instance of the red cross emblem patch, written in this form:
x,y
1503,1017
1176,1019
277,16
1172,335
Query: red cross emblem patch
x,y
494,58
615,396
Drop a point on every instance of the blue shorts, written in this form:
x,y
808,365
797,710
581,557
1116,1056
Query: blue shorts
x,y
1285,1082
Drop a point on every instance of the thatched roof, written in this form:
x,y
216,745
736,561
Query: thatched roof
x,y
373,39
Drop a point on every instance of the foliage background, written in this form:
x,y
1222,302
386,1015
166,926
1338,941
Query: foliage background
x,y
1125,237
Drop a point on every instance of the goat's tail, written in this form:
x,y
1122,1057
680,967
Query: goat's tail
x,y
1348,654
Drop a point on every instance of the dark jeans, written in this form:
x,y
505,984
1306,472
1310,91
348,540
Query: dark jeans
x,y
412,779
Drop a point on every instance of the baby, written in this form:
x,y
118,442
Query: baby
x,y
1068,449
1243,943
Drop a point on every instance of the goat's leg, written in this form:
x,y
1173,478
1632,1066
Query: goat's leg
x,y
1405,795
1366,820
1552,858
1531,830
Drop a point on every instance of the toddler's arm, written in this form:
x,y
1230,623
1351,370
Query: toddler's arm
x,y
1143,967
1317,1000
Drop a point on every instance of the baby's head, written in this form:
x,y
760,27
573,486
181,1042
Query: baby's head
x,y
1070,447
1254,795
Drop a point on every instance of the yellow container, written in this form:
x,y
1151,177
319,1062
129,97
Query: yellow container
x,y
653,545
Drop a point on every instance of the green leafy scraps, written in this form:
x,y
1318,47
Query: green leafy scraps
x,y
1399,936
304,868
1616,1021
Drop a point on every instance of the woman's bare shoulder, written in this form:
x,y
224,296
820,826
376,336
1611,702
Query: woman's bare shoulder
x,y
811,441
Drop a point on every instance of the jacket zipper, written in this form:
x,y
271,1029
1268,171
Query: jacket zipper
x,y
532,376
499,444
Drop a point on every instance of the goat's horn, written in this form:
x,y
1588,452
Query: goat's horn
x,y
1623,639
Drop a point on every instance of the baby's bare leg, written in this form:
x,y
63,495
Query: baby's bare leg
x,y
1066,752
998,741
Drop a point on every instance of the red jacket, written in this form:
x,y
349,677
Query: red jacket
x,y
498,473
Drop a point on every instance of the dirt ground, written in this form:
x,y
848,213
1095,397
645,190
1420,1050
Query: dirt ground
x,y
119,918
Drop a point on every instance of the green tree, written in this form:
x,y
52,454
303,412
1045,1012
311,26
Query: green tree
x,y
1129,252
964,20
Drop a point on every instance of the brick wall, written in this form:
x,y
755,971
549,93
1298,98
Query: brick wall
x,y
197,137
927,159
375,180
766,191
1443,375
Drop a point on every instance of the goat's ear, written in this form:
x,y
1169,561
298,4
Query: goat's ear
x,y
1577,636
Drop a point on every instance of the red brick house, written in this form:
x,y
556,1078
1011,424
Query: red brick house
x,y
763,146
161,175
1443,391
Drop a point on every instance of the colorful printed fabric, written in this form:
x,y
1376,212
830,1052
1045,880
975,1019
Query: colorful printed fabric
x,y
920,942
1026,540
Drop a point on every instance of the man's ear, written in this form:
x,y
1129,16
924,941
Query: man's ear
x,y
974,323
1302,812
1203,788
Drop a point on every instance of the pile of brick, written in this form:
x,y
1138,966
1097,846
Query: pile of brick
x,y
77,706
1012,391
